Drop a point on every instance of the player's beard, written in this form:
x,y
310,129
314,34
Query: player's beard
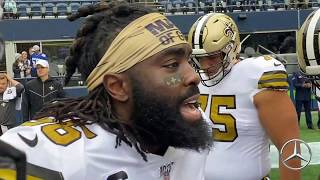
x,y
158,121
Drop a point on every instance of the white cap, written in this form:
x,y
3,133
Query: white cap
x,y
17,56
36,48
43,63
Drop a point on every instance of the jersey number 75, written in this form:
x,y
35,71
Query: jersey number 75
x,y
229,134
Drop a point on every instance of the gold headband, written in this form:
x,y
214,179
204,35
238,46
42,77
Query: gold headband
x,y
141,39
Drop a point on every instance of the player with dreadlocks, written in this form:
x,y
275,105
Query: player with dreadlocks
x,y
142,91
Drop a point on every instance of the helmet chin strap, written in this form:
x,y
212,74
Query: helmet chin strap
x,y
216,78
212,82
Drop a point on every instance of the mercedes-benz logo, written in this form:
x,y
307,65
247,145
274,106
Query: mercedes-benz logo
x,y
305,158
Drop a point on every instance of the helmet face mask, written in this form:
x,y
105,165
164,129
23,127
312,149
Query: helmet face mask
x,y
308,50
214,37
211,67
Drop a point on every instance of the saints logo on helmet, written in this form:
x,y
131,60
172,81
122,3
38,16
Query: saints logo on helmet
x,y
215,43
308,48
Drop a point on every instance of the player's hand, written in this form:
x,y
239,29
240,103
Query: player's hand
x,y
308,85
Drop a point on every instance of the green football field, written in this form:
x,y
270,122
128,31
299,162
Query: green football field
x,y
311,172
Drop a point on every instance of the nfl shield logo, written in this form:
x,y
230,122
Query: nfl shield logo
x,y
165,170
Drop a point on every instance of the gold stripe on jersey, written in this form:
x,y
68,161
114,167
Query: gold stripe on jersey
x,y
10,174
268,76
274,80
37,122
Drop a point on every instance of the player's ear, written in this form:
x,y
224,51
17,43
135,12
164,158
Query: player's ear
x,y
117,86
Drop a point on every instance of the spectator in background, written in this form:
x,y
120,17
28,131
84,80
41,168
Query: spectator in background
x,y
40,90
10,91
9,7
1,8
36,55
30,52
26,64
303,97
302,4
17,66
291,90
288,45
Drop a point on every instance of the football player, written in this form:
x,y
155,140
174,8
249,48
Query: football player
x,y
308,52
140,119
246,100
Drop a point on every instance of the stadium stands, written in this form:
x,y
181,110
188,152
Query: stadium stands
x,y
22,10
62,9
42,8
35,10
48,9
56,8
74,7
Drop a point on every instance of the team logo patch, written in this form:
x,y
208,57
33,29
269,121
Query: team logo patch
x,y
165,170
267,57
30,142
165,31
228,30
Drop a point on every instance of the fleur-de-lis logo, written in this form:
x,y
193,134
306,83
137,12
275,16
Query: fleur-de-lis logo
x,y
228,30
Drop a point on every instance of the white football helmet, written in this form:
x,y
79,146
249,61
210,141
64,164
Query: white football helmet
x,y
214,35
308,49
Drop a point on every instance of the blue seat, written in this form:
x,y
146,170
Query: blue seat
x,y
178,4
49,8
95,1
162,6
62,8
74,7
313,3
22,10
85,4
170,8
189,5
163,2
35,9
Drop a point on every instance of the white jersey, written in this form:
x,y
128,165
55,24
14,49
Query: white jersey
x,y
56,151
241,147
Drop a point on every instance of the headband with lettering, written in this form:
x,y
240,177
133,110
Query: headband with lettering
x,y
141,39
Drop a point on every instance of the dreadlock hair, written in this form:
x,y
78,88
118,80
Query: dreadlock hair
x,y
93,38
